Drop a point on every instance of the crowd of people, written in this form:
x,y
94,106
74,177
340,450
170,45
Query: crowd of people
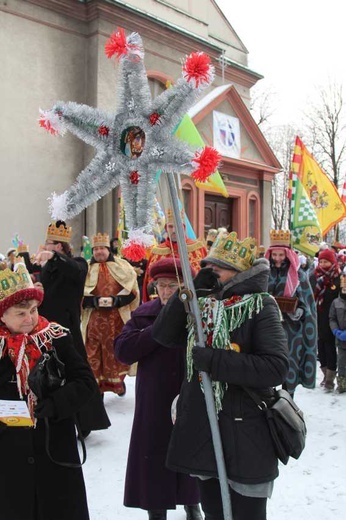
x,y
268,315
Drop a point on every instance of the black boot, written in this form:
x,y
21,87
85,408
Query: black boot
x,y
193,512
157,514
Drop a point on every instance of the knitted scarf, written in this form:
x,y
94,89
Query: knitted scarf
x,y
219,319
24,350
324,278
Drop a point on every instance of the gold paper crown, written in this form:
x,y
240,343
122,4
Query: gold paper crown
x,y
280,237
100,240
12,282
23,248
59,233
169,216
229,252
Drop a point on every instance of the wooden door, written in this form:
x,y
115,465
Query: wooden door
x,y
217,212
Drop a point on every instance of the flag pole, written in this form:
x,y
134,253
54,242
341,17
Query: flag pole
x,y
189,298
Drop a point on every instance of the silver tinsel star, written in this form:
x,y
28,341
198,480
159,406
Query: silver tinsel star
x,y
135,142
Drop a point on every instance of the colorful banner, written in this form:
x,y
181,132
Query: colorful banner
x,y
321,191
304,226
187,131
226,131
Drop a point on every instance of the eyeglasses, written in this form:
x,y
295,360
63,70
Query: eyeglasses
x,y
170,286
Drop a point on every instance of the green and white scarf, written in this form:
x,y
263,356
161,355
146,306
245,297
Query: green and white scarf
x,y
219,319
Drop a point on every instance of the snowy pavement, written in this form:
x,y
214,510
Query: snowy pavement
x,y
311,488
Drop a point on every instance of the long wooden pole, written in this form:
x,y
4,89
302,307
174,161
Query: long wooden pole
x,y
195,315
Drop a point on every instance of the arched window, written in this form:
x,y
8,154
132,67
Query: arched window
x,y
156,87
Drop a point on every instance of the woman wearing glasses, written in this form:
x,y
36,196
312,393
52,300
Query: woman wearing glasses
x,y
149,484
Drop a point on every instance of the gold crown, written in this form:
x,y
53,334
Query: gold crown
x,y
232,253
22,248
169,216
280,237
12,282
59,233
100,240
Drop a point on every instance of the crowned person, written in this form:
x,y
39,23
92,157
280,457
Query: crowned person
x,y
196,250
47,489
62,277
110,295
245,345
290,286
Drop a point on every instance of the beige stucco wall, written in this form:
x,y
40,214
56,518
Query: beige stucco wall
x,y
45,57
43,60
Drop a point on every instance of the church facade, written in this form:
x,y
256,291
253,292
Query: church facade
x,y
53,50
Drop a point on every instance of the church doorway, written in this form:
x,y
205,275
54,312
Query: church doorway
x,y
217,213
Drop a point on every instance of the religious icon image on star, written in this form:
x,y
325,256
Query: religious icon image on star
x,y
132,142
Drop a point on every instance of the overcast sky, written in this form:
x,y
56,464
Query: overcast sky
x,y
296,45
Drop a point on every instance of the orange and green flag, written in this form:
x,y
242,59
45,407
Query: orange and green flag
x,y
320,190
187,131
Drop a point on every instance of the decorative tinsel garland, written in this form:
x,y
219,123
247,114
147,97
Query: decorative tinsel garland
x,y
219,318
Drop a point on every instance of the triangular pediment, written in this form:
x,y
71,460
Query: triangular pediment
x,y
254,148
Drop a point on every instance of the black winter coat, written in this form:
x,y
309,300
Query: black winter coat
x,y
261,364
149,484
31,486
324,332
63,281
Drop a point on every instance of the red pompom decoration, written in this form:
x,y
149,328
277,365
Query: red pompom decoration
x,y
103,130
154,118
197,68
134,252
45,123
134,177
116,44
207,162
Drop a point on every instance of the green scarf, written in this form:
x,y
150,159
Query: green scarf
x,y
220,318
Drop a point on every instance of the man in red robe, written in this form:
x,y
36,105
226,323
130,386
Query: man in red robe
x,y
169,248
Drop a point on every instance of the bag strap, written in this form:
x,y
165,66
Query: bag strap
x,y
82,441
262,405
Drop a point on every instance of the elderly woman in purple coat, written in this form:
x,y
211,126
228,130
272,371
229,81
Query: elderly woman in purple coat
x,y
149,484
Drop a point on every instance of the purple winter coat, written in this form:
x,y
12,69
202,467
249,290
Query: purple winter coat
x,y
149,484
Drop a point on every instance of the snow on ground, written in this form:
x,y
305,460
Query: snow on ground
x,y
311,488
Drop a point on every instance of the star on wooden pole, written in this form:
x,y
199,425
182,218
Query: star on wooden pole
x,y
136,141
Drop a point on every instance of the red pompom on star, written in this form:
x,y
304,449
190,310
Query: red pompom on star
x,y
45,123
103,130
134,177
116,44
154,118
207,161
198,68
134,252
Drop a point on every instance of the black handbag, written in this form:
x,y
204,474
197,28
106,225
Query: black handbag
x,y
286,424
45,377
